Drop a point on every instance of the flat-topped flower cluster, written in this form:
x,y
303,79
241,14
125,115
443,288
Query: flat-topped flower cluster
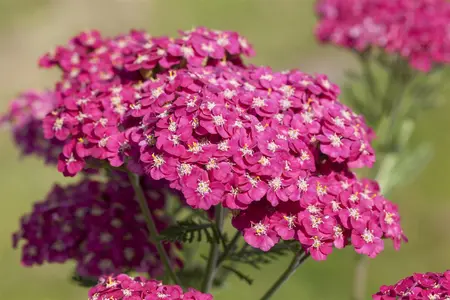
x,y
124,287
276,148
418,286
24,119
414,29
98,225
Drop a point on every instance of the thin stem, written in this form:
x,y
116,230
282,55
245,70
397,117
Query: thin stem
x,y
392,101
229,248
394,117
392,85
360,279
295,263
368,74
211,268
151,227
362,262
224,273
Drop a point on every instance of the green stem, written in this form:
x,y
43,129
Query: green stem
x,y
295,263
360,277
396,81
224,273
394,118
368,74
392,101
151,227
211,267
381,172
229,248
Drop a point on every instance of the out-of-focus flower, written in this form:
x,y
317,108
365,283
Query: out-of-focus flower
x,y
124,287
414,29
24,118
96,224
418,286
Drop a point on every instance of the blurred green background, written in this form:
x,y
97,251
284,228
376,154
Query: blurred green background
x,y
282,34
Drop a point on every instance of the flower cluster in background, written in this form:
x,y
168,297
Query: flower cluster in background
x,y
418,286
414,29
124,287
274,147
96,224
24,117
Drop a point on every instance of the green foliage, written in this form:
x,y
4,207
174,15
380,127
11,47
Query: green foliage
x,y
238,273
192,277
429,91
82,281
190,230
256,257
399,169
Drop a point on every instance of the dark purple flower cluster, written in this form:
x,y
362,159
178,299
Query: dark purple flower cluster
x,y
124,287
430,286
275,147
24,118
414,29
96,224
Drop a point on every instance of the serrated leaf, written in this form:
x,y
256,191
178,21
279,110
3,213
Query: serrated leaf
x,y
352,75
239,274
409,166
386,172
255,257
190,231
406,131
360,105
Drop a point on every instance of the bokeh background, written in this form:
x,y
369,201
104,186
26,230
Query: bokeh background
x,y
282,34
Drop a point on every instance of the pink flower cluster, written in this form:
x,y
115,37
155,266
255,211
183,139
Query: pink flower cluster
x,y
323,212
24,117
418,286
105,94
222,133
414,29
96,224
124,287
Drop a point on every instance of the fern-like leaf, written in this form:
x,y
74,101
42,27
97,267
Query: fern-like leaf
x,y
239,274
189,231
256,258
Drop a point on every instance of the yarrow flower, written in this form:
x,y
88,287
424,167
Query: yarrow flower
x,y
339,211
83,222
274,147
431,286
414,29
24,118
124,287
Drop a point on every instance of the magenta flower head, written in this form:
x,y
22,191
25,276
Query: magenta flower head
x,y
418,286
83,222
124,287
415,30
275,147
24,119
